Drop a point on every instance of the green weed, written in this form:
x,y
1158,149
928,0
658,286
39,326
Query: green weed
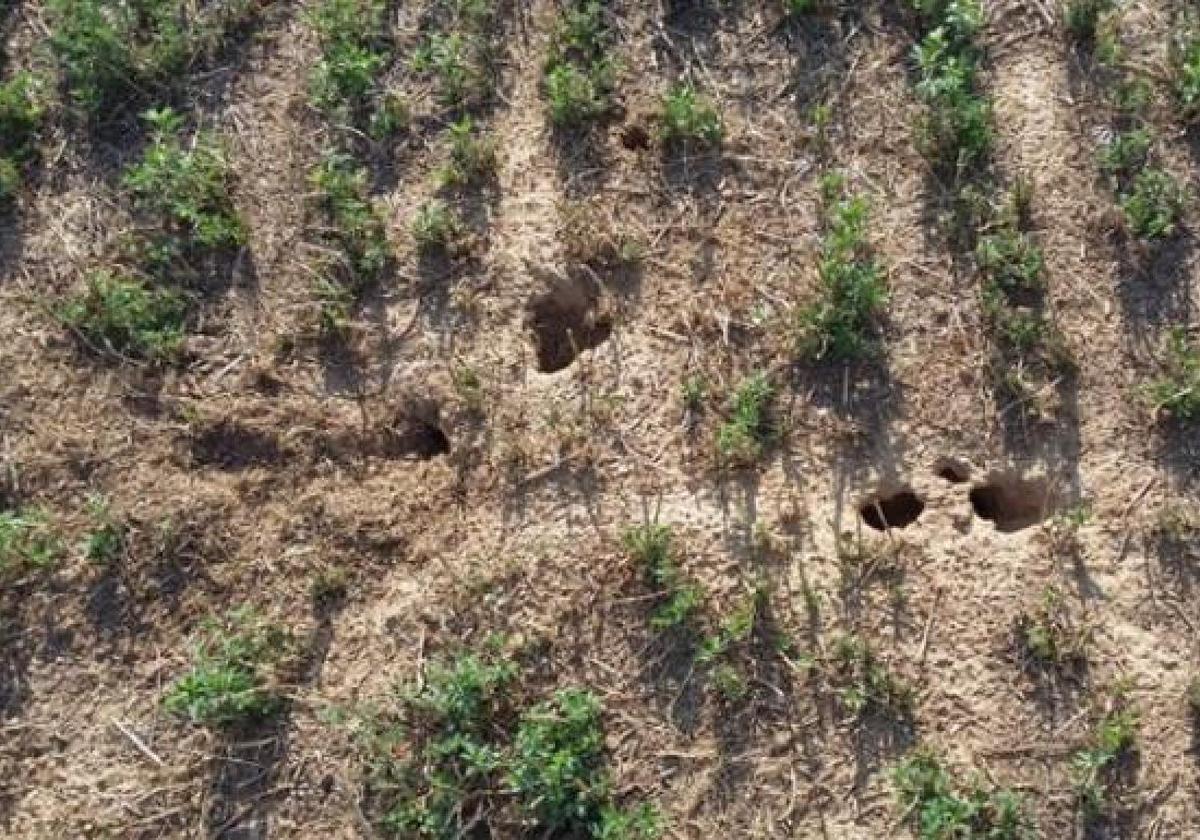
x,y
937,807
27,542
1047,635
126,316
106,543
744,436
687,117
228,684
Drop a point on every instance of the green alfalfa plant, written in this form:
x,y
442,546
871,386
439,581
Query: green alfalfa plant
x,y
580,75
126,316
1176,390
938,806
842,324
28,542
354,52
748,430
233,679
686,117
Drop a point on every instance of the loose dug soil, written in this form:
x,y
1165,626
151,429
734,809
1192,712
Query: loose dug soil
x,y
497,505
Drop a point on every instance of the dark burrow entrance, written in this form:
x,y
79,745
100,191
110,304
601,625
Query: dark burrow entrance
x,y
1011,502
952,470
892,510
565,322
416,433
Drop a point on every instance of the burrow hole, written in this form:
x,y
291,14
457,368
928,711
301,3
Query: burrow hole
x,y
417,433
1011,502
897,509
952,470
565,322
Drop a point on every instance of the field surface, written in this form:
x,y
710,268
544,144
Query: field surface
x,y
532,419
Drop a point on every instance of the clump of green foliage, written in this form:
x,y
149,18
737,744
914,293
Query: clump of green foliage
x,y
183,191
1177,389
459,53
231,681
356,231
21,114
716,651
955,132
125,316
579,75
937,806
1153,203
795,8
107,541
435,225
456,757
112,54
1047,635
354,53
1185,73
686,117
651,546
842,324
27,542
1082,19
743,437
472,155
1095,768
864,684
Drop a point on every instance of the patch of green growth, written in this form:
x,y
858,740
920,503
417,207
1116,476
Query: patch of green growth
x,y
1095,768
579,75
937,807
358,228
106,543
1185,72
230,681
472,155
329,586
454,759
185,191
21,113
1010,260
743,437
841,325
557,766
447,59
795,8
124,315
650,546
1153,204
955,131
435,225
1082,19
688,117
1047,635
112,54
733,629
354,52
865,686
1177,390
1126,154
27,542
694,391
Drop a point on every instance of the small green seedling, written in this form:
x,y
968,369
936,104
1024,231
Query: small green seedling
x,y
688,117
744,436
